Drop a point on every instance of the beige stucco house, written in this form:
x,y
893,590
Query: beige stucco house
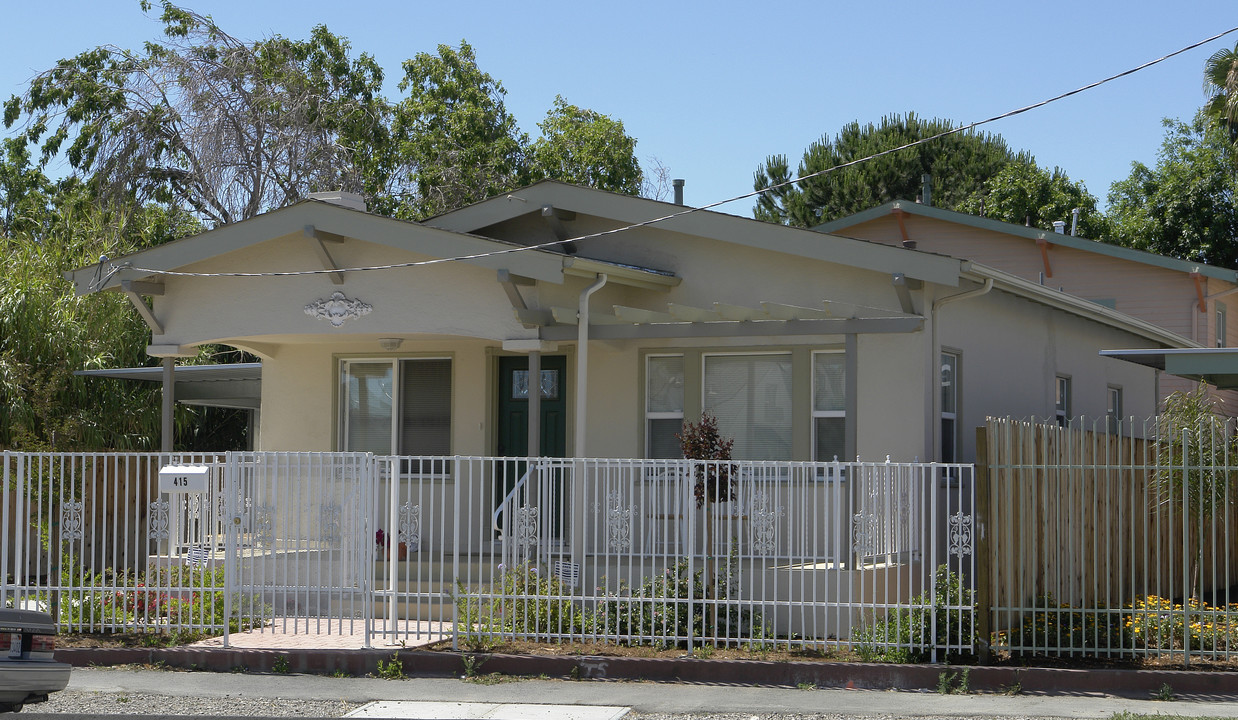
x,y
1190,299
421,338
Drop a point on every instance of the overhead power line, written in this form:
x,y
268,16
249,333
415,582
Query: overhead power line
x,y
686,210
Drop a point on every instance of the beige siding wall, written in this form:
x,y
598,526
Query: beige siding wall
x,y
1164,297
1011,352
1157,295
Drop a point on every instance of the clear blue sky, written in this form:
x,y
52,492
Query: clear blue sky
x,y
711,89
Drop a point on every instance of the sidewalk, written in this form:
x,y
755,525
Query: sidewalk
x,y
699,685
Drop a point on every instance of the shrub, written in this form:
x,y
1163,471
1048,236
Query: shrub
x,y
660,611
162,596
1158,623
524,602
906,635
1056,624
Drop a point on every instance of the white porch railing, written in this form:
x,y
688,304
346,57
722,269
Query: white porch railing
x,y
482,549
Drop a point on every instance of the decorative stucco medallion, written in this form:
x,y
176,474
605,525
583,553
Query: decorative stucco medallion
x,y
337,309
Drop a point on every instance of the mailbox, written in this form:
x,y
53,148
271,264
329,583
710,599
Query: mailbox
x,y
183,478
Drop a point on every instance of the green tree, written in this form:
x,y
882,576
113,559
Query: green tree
x,y
47,333
585,147
206,121
25,192
959,165
455,143
1185,207
1194,446
1221,88
1026,194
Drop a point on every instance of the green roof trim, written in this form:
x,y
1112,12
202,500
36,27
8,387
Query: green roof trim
x,y
1021,231
1215,366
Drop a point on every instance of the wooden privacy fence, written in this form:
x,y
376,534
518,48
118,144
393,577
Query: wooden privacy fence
x,y
1107,539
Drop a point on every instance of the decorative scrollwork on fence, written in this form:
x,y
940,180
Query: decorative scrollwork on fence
x,y
71,520
330,524
527,527
158,521
764,523
960,534
864,532
409,531
618,522
264,529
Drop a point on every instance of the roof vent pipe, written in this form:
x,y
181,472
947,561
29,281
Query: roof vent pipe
x,y
1059,227
340,197
1074,222
678,183
927,193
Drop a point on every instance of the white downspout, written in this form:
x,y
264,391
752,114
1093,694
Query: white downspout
x,y
582,361
935,378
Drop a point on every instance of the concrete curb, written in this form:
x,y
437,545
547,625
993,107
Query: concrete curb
x,y
865,676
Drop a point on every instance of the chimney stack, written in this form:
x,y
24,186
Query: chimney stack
x,y
678,183
927,193
1059,227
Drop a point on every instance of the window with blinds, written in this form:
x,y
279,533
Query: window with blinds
x,y
396,406
750,395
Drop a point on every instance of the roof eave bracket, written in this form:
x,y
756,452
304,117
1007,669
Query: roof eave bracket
x,y
328,263
1044,246
140,305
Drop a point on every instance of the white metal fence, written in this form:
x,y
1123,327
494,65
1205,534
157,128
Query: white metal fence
x,y
1111,539
484,549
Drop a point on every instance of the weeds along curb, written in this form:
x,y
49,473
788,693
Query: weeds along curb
x,y
859,676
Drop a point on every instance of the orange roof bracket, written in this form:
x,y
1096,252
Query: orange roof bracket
x,y
1044,254
902,227
1199,291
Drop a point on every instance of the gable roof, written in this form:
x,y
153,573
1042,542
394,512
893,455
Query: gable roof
x,y
629,210
318,216
1029,233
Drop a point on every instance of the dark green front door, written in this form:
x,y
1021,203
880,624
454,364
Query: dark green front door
x,y
514,388
545,491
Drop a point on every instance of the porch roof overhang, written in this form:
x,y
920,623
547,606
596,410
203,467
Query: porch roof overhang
x,y
1215,366
319,220
237,385
721,320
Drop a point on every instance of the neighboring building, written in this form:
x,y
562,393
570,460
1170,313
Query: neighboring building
x,y
805,345
1190,299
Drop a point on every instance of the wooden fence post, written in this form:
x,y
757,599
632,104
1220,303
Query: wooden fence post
x,y
982,494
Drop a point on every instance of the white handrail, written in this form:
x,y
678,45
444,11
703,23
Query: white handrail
x,y
511,496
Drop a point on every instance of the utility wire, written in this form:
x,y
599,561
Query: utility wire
x,y
689,210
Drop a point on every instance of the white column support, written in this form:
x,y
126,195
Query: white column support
x,y
582,362
169,404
